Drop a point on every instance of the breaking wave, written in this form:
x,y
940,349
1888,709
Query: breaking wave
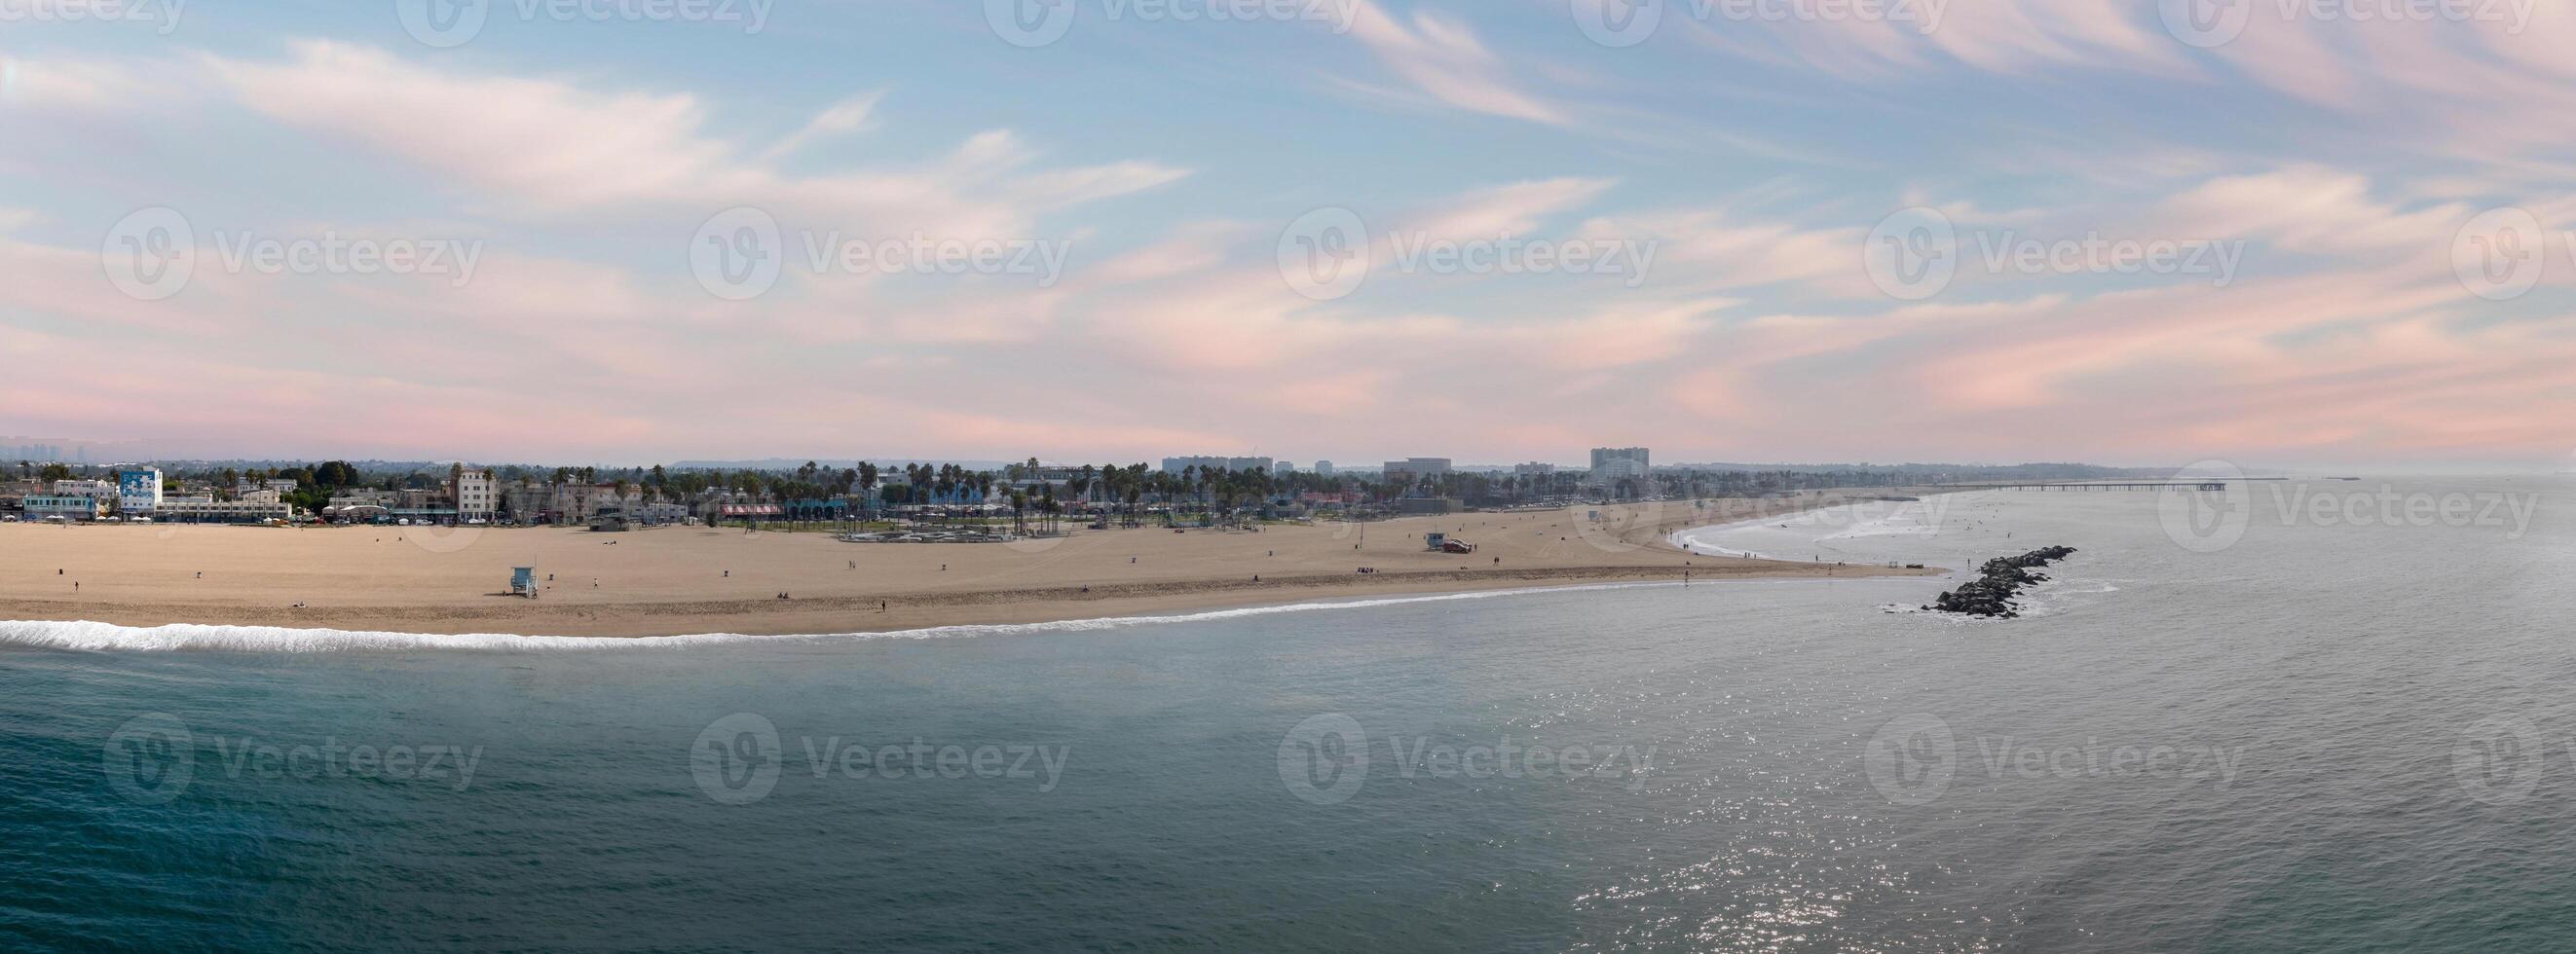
x,y
109,637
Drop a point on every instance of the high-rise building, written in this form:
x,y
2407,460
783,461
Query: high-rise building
x,y
1324,468
1604,456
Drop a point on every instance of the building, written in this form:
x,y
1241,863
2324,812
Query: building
x,y
1324,468
1174,465
138,491
476,497
74,507
1533,469
1282,468
1617,458
1414,470
1620,470
258,506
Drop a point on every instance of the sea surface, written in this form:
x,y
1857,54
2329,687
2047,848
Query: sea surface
x,y
2297,718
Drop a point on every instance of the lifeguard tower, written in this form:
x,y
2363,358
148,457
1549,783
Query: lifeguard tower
x,y
523,581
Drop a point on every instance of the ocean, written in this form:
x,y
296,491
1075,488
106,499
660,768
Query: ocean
x,y
2301,716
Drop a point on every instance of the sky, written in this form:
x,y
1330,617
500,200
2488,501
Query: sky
x,y
628,231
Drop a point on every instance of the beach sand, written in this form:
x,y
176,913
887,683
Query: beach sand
x,y
684,580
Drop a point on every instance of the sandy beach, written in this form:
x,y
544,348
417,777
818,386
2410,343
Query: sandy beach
x,y
683,580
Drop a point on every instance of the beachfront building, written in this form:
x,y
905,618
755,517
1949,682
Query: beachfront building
x,y
74,507
476,497
138,491
258,506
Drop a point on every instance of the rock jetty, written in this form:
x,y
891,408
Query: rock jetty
x,y
1992,592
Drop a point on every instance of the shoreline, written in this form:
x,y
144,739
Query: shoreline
x,y
368,583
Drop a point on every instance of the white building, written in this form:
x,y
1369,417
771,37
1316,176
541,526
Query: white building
x,y
138,490
477,497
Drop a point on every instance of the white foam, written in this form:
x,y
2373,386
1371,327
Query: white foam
x,y
109,637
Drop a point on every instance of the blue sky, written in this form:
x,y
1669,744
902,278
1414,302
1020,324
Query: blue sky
x,y
2311,234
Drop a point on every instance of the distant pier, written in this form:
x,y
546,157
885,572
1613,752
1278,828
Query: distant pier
x,y
2208,485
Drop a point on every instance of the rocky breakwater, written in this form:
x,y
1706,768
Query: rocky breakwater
x,y
1992,592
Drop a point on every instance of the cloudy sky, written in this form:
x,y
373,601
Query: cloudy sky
x,y
625,231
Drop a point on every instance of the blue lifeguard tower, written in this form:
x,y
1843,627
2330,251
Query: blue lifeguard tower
x,y
523,581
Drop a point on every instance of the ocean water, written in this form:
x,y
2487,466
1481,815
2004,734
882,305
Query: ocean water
x,y
2303,719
